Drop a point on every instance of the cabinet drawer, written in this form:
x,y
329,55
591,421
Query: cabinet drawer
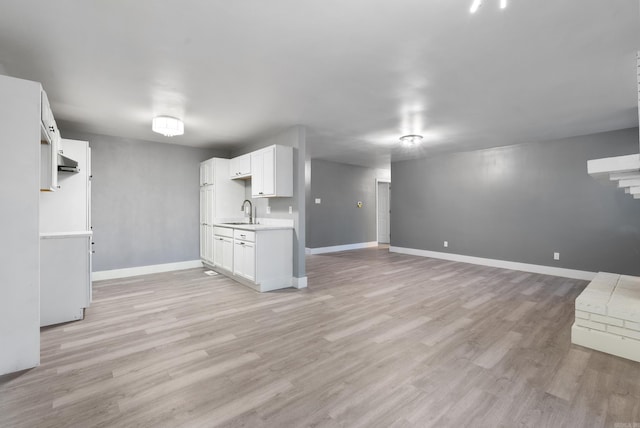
x,y
244,235
223,231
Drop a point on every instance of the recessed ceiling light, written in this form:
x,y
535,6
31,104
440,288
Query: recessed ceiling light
x,y
167,125
411,140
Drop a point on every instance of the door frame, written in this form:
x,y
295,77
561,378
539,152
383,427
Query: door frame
x,y
378,181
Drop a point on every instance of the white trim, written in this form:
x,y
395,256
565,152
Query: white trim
x,y
336,248
605,342
300,282
144,270
378,181
525,267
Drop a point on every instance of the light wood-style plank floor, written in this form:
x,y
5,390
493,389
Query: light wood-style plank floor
x,y
378,340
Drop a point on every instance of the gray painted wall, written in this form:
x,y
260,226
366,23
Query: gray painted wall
x,y
521,203
337,220
145,201
293,137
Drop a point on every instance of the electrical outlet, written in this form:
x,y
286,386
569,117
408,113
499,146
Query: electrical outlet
x,y
318,201
446,243
268,209
290,209
556,256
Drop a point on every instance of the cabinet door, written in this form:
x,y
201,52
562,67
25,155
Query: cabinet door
x,y
269,171
206,172
203,242
257,169
210,245
203,205
244,260
209,205
203,169
210,172
240,167
238,258
64,288
218,250
227,253
249,263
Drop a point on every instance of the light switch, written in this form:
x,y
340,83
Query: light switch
x,y
446,243
318,201
556,256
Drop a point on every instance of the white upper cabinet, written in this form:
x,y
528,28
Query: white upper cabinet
x,y
49,146
207,172
272,172
48,121
240,167
49,166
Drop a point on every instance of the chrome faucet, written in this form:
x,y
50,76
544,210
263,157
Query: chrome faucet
x,y
250,210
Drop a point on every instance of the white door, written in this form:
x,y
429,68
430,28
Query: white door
x,y
384,193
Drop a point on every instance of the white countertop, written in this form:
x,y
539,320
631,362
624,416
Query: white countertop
x,y
254,227
53,235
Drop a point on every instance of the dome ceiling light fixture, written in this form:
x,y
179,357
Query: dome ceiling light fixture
x,y
167,125
477,3
411,140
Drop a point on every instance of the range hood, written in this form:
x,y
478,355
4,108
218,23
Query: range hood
x,y
625,170
66,164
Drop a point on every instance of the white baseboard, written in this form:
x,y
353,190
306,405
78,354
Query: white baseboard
x,y
144,270
300,282
337,248
524,267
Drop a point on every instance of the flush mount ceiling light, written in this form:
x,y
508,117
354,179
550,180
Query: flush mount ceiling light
x,y
477,3
167,126
411,140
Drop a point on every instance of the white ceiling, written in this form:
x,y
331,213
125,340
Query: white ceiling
x,y
358,73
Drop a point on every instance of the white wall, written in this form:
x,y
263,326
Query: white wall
x,y
19,224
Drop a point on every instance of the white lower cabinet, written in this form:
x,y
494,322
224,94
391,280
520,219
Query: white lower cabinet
x,y
244,259
65,276
261,259
223,252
